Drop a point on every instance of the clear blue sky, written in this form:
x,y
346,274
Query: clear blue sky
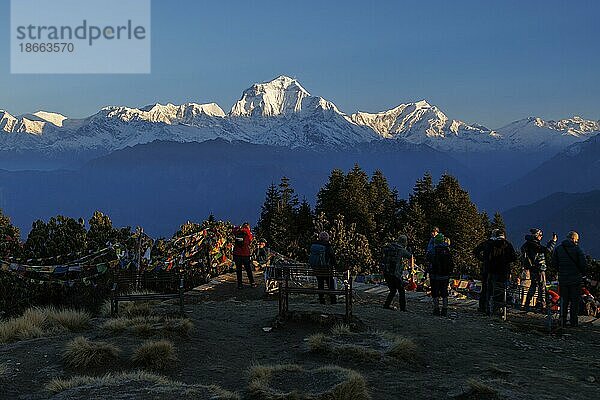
x,y
479,61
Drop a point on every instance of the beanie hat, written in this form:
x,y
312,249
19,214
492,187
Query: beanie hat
x,y
403,240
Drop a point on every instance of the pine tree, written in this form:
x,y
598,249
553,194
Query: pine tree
x,y
277,222
330,199
385,208
268,209
498,222
351,248
355,199
418,216
304,228
10,238
60,235
460,221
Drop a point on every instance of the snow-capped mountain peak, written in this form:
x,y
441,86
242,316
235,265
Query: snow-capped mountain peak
x,y
169,113
281,112
54,118
423,123
30,123
280,96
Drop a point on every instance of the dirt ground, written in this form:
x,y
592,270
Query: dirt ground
x,y
515,358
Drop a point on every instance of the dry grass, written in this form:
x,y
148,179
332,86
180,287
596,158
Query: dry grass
x,y
368,346
147,326
38,322
340,329
60,385
131,308
155,355
289,381
181,326
358,352
158,386
71,320
476,387
317,343
83,353
402,348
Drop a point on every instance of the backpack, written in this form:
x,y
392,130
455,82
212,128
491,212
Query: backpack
x,y
240,236
496,253
442,261
393,262
317,256
526,262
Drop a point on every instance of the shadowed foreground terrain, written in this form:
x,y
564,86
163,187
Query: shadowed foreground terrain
x,y
465,356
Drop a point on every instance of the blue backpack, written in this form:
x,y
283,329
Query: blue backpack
x,y
317,256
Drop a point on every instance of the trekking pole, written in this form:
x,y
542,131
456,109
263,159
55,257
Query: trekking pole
x,y
504,310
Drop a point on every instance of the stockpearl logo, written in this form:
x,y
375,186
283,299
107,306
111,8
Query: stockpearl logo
x,y
75,36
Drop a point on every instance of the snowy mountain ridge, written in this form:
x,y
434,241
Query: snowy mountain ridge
x,y
282,112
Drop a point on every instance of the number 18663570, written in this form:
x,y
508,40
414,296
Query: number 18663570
x,y
47,47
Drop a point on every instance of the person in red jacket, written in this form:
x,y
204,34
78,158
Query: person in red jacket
x,y
241,253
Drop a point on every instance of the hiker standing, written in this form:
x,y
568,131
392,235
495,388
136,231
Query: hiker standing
x,y
261,255
533,257
396,259
572,265
241,253
434,232
442,266
499,257
482,253
322,260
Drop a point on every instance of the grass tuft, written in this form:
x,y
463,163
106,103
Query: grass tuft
x,y
180,326
479,388
71,320
139,384
290,381
147,326
364,346
155,355
402,348
38,322
131,308
317,343
83,353
341,329
60,385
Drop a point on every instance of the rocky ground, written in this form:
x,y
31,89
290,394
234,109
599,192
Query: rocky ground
x,y
235,330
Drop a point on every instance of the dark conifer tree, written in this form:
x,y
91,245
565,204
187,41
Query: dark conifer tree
x,y
10,238
60,235
459,220
498,222
330,199
304,230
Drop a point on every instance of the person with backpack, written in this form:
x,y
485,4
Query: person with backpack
x,y
498,256
241,253
322,260
431,244
261,255
442,266
572,266
533,259
481,252
396,259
